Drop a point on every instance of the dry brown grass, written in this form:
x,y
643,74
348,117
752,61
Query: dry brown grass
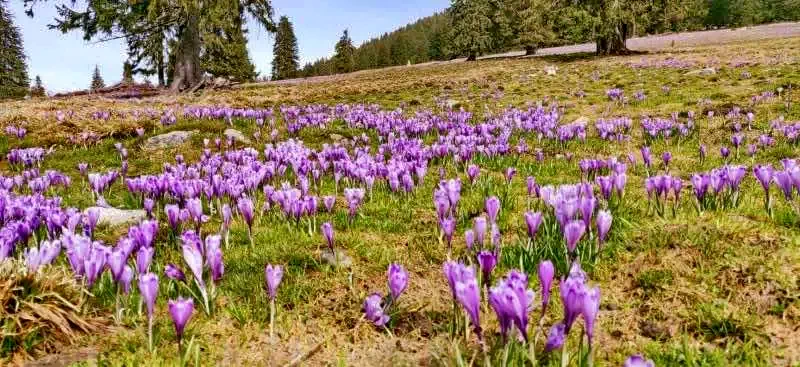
x,y
41,311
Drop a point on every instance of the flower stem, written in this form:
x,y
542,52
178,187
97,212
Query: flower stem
x,y
150,332
271,317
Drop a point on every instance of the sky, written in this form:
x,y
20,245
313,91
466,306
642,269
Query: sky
x,y
65,61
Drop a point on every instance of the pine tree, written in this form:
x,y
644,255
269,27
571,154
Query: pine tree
x,y
13,69
471,30
38,88
344,59
97,79
285,58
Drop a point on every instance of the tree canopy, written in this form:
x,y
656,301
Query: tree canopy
x,y
285,52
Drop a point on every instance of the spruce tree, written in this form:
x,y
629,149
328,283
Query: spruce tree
x,y
38,88
344,59
471,29
97,79
13,69
285,58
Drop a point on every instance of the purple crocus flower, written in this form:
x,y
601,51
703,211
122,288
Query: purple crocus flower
x,y
148,206
637,360
587,204
373,310
273,275
194,259
472,172
126,278
173,216
116,262
492,207
398,280
591,306
83,168
148,288
603,224
487,260
479,227
464,287
546,273
530,185
666,157
181,311
784,181
764,175
173,272
327,232
448,226
533,220
143,259
646,156
329,201
214,260
724,152
469,238
245,206
510,173
556,337
573,231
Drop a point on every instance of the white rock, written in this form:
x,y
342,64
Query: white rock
x,y
116,217
168,140
236,135
704,71
551,70
338,260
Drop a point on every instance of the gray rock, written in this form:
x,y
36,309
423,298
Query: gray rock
x,y
168,140
703,71
336,137
236,135
581,120
116,217
452,104
338,260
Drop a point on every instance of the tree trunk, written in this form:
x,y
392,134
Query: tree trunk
x,y
614,43
187,66
530,50
472,56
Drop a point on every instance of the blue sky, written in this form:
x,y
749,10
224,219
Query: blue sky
x,y
65,61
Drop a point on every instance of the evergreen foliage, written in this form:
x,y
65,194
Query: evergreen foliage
x,y
344,59
285,53
37,90
13,68
97,79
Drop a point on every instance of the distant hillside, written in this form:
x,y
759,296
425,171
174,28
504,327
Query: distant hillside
x,y
429,38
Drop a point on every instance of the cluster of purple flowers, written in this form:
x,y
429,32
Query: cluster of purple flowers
x,y
27,157
655,128
16,132
718,186
789,130
614,129
615,94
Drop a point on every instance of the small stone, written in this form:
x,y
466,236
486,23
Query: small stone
x,y
551,70
168,140
581,120
336,137
236,135
452,104
703,71
116,217
338,259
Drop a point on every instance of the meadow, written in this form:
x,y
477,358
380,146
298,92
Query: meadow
x,y
406,215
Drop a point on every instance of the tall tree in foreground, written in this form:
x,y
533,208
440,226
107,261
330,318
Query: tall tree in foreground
x,y
13,69
38,88
471,29
344,59
127,73
97,79
184,29
613,23
285,58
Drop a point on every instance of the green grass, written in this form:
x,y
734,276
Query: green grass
x,y
710,283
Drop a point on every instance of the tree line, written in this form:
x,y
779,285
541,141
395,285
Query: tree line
x,y
179,42
470,28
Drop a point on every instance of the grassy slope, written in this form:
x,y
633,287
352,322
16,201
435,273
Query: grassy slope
x,y
713,289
